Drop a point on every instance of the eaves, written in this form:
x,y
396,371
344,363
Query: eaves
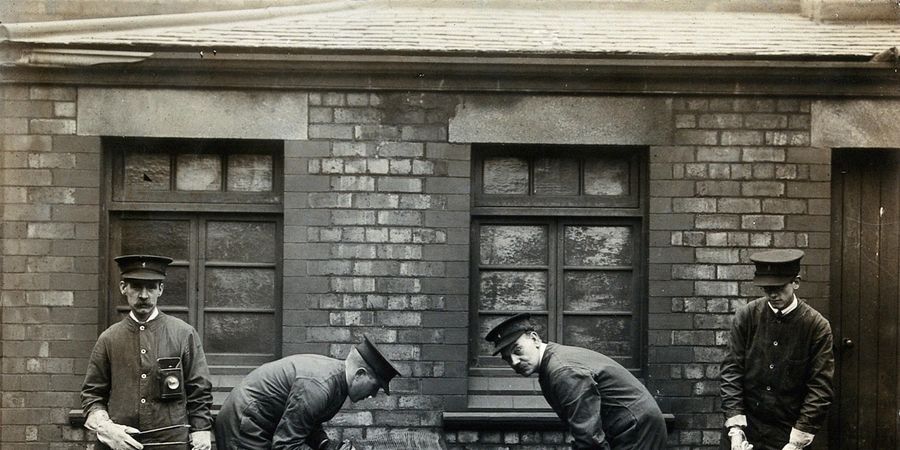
x,y
309,69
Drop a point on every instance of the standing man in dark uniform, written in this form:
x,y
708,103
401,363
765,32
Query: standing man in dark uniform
x,y
602,403
776,377
147,381
282,404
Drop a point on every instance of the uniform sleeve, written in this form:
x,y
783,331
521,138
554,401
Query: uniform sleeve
x,y
304,412
734,366
819,388
198,388
579,407
95,389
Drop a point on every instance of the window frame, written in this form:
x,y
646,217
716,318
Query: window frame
x,y
195,206
116,147
578,152
631,210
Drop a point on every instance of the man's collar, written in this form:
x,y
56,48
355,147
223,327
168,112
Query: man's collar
x,y
152,316
786,310
541,355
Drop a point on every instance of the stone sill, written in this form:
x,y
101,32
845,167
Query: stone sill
x,y
513,420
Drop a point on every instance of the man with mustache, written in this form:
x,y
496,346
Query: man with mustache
x,y
777,374
603,405
147,381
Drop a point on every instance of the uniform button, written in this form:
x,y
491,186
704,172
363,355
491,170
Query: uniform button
x,y
143,400
775,343
768,388
143,376
143,328
771,366
143,351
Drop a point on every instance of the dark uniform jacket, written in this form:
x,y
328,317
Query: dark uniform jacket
x,y
601,402
123,378
282,404
778,372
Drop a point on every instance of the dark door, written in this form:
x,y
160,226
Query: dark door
x,y
864,291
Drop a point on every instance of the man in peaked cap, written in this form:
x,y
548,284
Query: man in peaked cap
x,y
777,373
147,381
601,402
282,404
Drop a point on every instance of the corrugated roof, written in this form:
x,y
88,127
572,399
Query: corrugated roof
x,y
545,28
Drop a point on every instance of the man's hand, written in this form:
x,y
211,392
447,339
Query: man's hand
x,y
201,440
739,439
798,440
115,436
346,444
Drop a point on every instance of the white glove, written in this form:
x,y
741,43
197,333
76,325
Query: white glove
x,y
739,439
201,440
115,436
798,440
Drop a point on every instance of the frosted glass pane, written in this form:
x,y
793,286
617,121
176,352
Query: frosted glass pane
x,y
240,241
512,291
595,291
155,237
513,244
598,246
198,173
240,288
608,335
147,172
505,176
250,173
553,176
239,333
606,176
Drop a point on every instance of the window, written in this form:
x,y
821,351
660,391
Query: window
x,y
557,231
214,206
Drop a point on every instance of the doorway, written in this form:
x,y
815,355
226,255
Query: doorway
x,y
865,298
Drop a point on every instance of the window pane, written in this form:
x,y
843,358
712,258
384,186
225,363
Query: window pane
x,y
554,176
240,241
598,246
198,172
505,176
514,244
156,237
485,348
598,291
240,288
239,333
513,291
250,173
606,176
175,291
608,335
147,171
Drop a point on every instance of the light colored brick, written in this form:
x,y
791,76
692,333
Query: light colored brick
x,y
762,222
51,126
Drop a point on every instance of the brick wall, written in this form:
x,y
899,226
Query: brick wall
x,y
50,234
739,178
376,243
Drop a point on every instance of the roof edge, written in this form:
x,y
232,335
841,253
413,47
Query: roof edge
x,y
27,30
